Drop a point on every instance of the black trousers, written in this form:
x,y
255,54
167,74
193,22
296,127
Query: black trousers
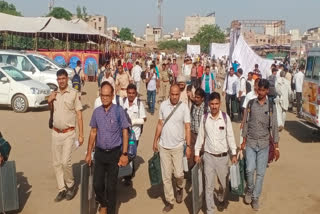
x,y
229,99
299,102
240,114
106,165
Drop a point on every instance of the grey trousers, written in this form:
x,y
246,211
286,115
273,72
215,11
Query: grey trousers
x,y
214,166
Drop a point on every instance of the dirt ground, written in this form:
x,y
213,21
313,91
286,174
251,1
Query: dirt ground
x,y
291,185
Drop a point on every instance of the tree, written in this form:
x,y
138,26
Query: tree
x,y
173,45
207,35
60,13
9,9
126,34
82,13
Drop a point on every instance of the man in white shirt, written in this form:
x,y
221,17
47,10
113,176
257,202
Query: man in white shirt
x,y
283,89
229,89
151,80
172,132
136,112
216,133
136,75
298,81
241,92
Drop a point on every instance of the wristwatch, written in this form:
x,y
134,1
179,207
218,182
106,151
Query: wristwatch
x,y
125,153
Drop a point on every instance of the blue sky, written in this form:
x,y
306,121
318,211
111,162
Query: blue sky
x,y
135,14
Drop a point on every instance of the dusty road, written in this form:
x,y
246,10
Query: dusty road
x,y
291,185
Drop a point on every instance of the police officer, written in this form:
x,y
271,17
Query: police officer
x,y
66,109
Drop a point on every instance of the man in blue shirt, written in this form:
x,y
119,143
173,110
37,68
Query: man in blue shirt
x,y
235,66
109,129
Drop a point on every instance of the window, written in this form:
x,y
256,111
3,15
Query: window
x,y
316,69
99,19
99,28
95,25
309,66
1,75
19,62
15,73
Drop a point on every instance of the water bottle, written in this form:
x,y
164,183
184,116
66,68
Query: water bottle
x,y
132,148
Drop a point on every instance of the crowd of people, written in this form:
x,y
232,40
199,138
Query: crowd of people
x,y
191,123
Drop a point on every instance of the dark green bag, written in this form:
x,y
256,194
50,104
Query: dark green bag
x,y
5,148
240,190
234,106
155,169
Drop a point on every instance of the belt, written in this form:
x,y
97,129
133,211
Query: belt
x,y
108,150
220,155
165,80
124,89
63,130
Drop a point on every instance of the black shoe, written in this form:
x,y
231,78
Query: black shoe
x,y
61,195
167,208
71,192
179,197
127,181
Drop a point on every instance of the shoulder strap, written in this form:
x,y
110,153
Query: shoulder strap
x,y
172,112
249,109
224,115
270,106
79,71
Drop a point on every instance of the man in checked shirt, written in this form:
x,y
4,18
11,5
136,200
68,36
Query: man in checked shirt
x,y
260,122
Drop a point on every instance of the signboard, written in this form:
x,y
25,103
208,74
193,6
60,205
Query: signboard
x,y
193,50
197,188
218,50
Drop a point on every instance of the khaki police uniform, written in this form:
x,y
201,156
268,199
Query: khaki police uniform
x,y
122,82
66,106
165,84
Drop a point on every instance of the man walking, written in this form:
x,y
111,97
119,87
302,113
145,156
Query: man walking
x,y
66,106
165,82
208,83
136,112
241,92
198,109
283,89
152,86
175,69
136,76
122,81
173,130
229,89
216,134
298,80
109,133
261,121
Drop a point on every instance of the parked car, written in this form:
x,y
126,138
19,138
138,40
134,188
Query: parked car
x,y
20,91
51,64
311,89
29,65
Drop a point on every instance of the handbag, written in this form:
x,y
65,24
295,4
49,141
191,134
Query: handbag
x,y
271,140
51,116
154,169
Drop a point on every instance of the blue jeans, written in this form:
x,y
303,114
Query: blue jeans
x,y
256,160
151,100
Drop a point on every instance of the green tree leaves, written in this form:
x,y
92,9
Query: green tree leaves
x,y
60,13
126,34
9,9
208,34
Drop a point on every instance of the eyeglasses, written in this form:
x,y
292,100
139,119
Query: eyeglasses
x,y
106,96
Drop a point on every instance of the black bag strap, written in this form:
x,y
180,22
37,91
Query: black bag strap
x,y
172,112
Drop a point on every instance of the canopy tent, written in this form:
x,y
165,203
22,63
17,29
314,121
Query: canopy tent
x,y
49,27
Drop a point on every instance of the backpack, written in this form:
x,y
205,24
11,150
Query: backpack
x,y
272,86
100,77
271,143
76,80
248,87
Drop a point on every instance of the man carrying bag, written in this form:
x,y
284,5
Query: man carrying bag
x,y
173,130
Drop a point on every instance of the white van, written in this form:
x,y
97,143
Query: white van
x,y
20,91
311,88
32,67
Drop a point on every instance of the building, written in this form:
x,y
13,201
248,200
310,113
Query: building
x,y
192,24
152,34
295,34
177,34
98,23
312,34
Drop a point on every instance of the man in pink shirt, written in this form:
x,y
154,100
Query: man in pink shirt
x,y
175,69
